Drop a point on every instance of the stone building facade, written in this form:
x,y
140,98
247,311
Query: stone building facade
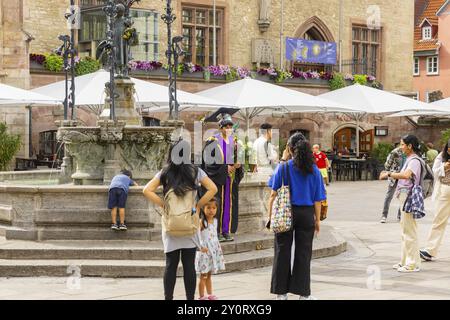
x,y
245,38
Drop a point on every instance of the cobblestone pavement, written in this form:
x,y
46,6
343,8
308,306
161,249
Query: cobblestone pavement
x,y
363,272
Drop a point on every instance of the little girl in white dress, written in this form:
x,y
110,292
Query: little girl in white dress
x,y
213,260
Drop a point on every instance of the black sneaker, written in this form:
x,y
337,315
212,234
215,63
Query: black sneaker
x,y
425,255
221,238
228,238
122,227
114,226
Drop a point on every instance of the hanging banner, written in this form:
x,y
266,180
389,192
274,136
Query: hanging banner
x,y
302,50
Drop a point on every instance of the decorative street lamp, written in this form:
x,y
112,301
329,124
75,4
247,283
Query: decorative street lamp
x,y
67,50
173,51
111,11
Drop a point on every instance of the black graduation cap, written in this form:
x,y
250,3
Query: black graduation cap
x,y
222,116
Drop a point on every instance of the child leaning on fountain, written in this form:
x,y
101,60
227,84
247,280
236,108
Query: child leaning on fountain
x,y
117,198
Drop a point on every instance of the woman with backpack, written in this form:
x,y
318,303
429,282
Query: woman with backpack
x,y
441,199
307,191
409,190
180,180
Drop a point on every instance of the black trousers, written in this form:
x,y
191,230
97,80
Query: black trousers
x,y
170,274
297,280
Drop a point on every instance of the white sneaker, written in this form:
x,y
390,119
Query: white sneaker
x,y
396,266
282,297
383,219
408,269
307,298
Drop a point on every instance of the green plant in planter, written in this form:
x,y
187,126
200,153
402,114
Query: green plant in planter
x,y
377,85
53,63
381,151
232,75
445,137
337,82
180,69
206,74
9,145
86,65
282,75
360,78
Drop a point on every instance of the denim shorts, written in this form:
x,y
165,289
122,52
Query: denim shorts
x,y
117,198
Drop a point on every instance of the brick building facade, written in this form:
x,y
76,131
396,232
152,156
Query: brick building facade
x,y
379,33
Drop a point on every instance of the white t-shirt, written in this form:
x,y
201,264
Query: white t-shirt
x,y
263,152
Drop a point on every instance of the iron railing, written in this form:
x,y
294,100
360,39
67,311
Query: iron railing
x,y
358,66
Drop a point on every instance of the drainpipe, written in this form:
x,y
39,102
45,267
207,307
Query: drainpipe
x,y
30,144
341,7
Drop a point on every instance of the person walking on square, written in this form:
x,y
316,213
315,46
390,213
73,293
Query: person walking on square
x,y
117,198
322,162
409,191
393,163
212,261
441,199
220,162
264,152
307,192
181,178
431,154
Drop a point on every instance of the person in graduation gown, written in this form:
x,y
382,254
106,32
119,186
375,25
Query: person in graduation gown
x,y
221,165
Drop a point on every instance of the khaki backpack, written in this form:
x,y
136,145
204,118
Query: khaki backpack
x,y
180,217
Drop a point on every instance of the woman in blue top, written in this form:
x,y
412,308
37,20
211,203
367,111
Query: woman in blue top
x,y
307,191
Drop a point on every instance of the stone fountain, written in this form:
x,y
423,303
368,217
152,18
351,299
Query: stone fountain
x,y
76,208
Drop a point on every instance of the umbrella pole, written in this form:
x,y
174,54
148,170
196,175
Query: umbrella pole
x,y
357,135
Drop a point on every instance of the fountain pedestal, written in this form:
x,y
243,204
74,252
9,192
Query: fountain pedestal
x,y
124,102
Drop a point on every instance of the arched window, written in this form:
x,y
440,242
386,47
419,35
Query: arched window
x,y
313,29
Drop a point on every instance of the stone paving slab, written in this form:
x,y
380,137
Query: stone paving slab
x,y
355,210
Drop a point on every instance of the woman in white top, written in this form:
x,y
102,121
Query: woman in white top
x,y
441,199
181,176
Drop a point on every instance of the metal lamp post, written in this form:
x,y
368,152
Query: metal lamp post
x,y
111,12
173,51
68,50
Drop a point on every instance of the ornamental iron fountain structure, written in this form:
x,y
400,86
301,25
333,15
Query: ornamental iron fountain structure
x,y
120,142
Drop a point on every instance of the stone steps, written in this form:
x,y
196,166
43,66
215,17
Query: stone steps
x,y
115,249
136,258
121,268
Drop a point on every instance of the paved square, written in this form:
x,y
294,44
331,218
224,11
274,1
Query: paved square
x,y
363,272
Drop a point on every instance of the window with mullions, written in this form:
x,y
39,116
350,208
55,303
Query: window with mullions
x,y
48,144
366,45
198,35
94,27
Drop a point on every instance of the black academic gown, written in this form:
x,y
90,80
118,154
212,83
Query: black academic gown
x,y
218,173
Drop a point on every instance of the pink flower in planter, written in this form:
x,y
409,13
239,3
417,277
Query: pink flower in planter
x,y
350,77
243,72
314,75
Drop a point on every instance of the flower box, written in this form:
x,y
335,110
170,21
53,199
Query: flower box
x,y
192,75
36,66
155,73
315,82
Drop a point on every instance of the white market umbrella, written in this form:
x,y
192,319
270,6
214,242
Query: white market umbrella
x,y
254,97
366,100
422,113
11,96
445,103
90,91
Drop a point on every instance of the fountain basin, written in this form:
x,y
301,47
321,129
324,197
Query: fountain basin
x,y
70,212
